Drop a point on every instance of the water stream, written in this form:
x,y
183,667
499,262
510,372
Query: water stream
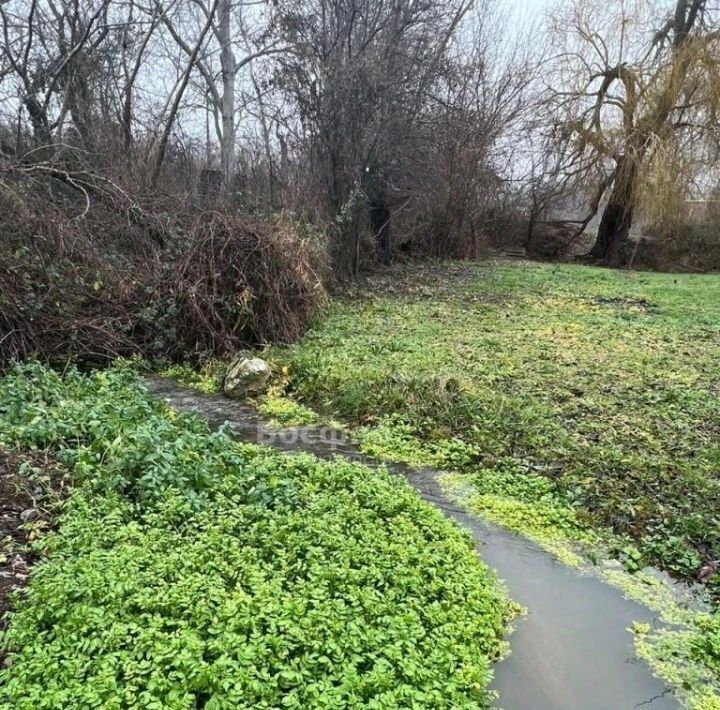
x,y
572,651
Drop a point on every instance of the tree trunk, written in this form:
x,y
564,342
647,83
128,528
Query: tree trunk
x,y
266,141
380,220
39,120
179,92
611,245
227,64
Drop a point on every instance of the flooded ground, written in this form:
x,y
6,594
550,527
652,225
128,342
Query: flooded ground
x,y
572,651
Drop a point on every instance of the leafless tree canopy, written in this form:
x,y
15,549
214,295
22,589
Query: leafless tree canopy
x,y
366,118
632,108
436,127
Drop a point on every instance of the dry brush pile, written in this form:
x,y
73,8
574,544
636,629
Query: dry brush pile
x,y
120,280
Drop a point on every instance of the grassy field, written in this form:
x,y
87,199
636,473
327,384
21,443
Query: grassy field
x,y
580,389
571,404
190,571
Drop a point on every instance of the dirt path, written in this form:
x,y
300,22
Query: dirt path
x,y
571,652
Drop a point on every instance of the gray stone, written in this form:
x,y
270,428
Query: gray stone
x,y
246,377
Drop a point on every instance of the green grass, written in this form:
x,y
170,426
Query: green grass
x,y
606,383
574,405
192,571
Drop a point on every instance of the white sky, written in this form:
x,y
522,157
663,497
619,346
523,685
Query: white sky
x,y
532,5
527,8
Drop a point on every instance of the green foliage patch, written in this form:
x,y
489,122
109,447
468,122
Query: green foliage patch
x,y
604,382
285,412
207,378
568,401
191,571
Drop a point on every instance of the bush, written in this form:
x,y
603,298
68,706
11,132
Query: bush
x,y
58,295
240,578
684,245
239,281
78,289
551,240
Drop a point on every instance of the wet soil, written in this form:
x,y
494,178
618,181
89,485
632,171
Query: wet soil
x,y
30,486
573,649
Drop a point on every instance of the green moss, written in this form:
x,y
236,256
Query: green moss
x,y
285,412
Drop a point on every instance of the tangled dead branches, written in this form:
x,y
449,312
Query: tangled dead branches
x,y
94,288
240,281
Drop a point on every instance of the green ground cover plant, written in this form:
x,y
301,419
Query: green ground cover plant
x,y
192,571
575,405
603,382
207,378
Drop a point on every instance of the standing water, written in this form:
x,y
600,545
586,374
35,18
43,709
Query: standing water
x,y
572,651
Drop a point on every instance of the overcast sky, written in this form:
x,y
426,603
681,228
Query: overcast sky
x,y
527,7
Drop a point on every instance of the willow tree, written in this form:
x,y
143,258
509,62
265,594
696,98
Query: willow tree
x,y
633,92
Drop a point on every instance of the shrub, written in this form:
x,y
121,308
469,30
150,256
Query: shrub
x,y
239,281
58,295
77,289
681,245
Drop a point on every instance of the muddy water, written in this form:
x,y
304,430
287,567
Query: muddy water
x,y
571,652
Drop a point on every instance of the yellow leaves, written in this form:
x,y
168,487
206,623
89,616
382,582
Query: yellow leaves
x,y
640,629
37,529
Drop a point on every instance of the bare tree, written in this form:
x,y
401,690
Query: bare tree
x,y
231,34
380,122
179,92
630,84
52,52
393,99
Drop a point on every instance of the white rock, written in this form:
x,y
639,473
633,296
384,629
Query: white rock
x,y
246,377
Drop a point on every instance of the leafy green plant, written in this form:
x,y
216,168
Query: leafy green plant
x,y
207,378
706,645
574,405
192,571
284,412
115,437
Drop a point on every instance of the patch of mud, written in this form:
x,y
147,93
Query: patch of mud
x,y
641,304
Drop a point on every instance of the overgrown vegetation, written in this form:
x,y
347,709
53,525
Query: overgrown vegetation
x,y
31,486
576,406
192,571
681,648
68,290
602,383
